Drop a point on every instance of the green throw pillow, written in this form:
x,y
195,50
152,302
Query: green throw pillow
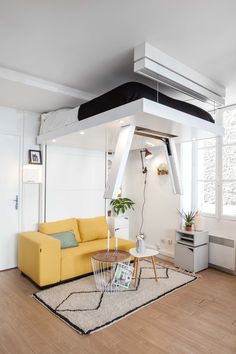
x,y
67,239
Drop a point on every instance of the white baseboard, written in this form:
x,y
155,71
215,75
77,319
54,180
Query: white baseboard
x,y
163,254
222,269
167,253
165,257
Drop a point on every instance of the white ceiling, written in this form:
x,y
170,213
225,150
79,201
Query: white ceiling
x,y
88,45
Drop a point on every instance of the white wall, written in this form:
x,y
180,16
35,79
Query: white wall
x,y
75,183
160,216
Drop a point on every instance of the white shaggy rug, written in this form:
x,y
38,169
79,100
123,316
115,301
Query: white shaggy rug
x,y
87,310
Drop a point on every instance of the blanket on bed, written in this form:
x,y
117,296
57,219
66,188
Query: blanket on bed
x,y
132,91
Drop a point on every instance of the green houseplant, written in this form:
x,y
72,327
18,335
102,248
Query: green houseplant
x,y
121,205
188,219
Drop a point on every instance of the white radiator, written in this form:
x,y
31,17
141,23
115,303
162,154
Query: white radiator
x,y
222,253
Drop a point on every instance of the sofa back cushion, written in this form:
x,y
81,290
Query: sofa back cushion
x,y
60,226
92,228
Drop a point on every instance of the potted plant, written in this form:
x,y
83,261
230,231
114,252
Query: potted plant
x,y
121,205
162,169
188,219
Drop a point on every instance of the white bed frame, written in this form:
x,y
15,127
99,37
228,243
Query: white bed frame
x,y
143,113
115,130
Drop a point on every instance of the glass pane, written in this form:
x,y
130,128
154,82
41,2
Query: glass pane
x,y
206,142
207,164
229,162
207,197
229,198
229,123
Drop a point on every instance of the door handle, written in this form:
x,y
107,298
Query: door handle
x,y
16,202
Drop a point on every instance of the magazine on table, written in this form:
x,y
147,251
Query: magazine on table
x,y
123,275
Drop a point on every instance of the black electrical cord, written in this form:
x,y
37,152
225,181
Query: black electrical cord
x,y
144,201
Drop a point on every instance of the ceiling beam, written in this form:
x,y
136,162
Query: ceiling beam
x,y
32,81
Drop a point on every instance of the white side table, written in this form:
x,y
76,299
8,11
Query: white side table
x,y
149,253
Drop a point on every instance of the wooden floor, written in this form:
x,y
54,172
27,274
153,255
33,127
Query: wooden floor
x,y
199,318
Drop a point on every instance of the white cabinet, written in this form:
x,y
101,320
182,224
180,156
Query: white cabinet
x,y
119,226
193,259
191,250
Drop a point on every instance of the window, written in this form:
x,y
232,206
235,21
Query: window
x,y
229,163
206,176
214,164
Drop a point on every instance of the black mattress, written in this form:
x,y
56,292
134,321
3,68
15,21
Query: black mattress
x,y
132,91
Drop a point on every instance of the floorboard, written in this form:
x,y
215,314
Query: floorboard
x,y
197,319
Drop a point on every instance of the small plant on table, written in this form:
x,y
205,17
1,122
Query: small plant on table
x,y
188,219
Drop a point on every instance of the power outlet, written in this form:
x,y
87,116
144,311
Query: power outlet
x,y
163,240
170,242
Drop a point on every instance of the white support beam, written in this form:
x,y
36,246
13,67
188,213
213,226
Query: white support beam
x,y
119,162
36,82
173,164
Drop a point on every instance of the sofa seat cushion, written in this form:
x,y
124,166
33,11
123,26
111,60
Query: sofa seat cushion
x,y
93,228
61,226
77,260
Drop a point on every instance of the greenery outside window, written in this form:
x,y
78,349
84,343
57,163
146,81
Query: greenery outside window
x,y
214,170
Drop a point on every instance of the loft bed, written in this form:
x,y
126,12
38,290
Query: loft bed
x,y
121,119
129,104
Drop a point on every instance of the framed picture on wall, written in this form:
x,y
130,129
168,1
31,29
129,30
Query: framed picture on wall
x,y
35,157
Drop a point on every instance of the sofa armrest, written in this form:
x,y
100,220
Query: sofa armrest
x,y
39,257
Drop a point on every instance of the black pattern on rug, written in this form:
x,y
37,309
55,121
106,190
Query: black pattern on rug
x,y
102,293
100,296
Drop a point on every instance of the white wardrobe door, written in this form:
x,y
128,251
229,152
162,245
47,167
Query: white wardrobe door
x,y
9,194
75,183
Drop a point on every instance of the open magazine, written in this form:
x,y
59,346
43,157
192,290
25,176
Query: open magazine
x,y
123,275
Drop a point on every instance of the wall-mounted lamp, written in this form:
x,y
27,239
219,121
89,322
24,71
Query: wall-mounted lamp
x,y
32,174
147,155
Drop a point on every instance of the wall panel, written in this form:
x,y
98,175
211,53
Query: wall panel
x,y
75,182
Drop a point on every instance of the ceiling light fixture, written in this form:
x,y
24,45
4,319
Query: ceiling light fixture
x,y
81,133
53,140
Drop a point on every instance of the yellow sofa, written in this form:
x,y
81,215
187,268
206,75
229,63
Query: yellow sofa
x,y
41,258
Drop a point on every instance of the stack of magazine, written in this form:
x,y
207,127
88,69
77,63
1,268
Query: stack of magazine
x,y
123,275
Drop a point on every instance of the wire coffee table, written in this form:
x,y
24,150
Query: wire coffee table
x,y
104,266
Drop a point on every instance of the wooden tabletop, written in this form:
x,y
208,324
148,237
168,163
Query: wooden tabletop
x,y
111,256
148,252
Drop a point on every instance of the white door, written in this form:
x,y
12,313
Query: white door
x,y
9,199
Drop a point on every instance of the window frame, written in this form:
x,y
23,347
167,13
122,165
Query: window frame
x,y
218,215
220,117
196,180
